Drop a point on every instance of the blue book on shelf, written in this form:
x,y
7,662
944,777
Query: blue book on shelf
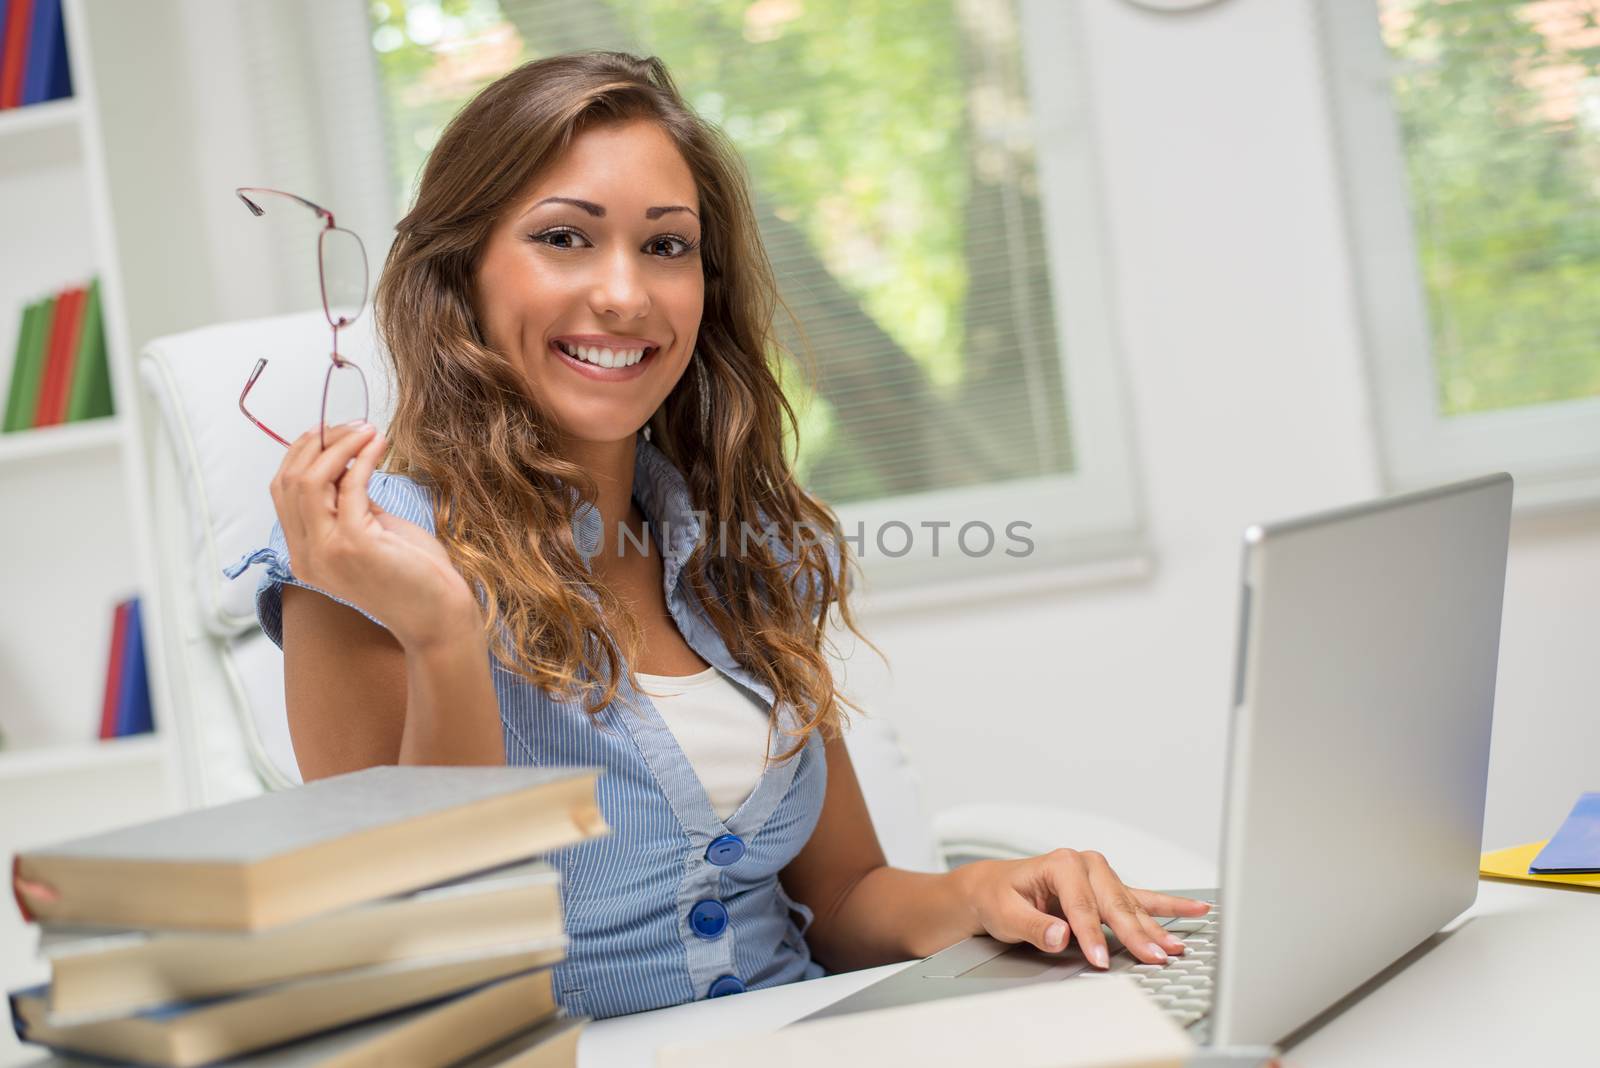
x,y
1575,848
45,74
133,696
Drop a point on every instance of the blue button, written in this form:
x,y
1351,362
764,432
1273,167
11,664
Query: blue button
x,y
708,918
725,850
726,984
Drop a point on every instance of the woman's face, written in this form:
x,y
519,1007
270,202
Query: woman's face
x,y
599,260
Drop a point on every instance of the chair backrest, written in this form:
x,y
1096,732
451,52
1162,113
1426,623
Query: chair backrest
x,y
209,471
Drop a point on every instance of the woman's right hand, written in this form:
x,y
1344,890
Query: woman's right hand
x,y
341,542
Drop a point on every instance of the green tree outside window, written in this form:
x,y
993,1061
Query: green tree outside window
x,y
892,163
1499,106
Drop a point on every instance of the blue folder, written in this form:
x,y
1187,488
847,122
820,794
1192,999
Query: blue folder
x,y
1575,848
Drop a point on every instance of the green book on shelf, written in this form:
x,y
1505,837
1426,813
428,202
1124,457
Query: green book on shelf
x,y
91,379
33,361
14,390
26,366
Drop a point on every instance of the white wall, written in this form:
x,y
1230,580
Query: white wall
x,y
1246,385
1248,391
199,97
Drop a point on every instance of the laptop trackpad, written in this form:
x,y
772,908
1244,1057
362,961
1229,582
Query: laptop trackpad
x,y
1023,961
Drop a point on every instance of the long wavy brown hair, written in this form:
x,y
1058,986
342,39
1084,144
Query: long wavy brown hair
x,y
466,424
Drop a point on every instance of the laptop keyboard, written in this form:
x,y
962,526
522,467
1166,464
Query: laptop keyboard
x,y
1182,987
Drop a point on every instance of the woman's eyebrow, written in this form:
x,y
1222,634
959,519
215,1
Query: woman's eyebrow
x,y
587,205
600,213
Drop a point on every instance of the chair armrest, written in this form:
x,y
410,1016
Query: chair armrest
x,y
1009,831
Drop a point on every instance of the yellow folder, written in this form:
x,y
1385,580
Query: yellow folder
x,y
1513,864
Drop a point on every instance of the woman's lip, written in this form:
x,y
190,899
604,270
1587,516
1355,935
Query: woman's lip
x,y
605,374
607,341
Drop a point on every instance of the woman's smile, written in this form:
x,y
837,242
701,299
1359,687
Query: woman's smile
x,y
605,358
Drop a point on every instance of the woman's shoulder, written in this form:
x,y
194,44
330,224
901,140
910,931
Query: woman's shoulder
x,y
402,495
397,494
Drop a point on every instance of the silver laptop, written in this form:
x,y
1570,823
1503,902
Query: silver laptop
x,y
1357,768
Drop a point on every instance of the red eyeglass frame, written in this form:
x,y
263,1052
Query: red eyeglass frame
x,y
335,321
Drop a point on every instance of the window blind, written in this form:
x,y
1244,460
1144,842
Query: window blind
x,y
892,160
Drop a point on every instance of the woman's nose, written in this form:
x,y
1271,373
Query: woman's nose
x,y
621,289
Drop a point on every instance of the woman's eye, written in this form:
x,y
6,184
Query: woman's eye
x,y
549,237
684,246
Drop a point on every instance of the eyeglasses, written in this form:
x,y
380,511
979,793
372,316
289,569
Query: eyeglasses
x,y
342,276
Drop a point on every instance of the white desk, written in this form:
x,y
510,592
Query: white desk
x,y
1514,982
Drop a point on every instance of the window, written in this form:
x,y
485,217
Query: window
x,y
933,229
1471,141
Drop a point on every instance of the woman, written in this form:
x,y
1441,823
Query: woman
x,y
589,430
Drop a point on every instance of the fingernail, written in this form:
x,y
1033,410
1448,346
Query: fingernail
x,y
1055,934
358,424
1158,951
1100,957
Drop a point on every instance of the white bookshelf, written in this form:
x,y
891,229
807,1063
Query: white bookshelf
x,y
73,545
17,122
89,435
73,540
22,765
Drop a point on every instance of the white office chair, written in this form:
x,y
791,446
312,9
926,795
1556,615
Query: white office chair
x,y
209,470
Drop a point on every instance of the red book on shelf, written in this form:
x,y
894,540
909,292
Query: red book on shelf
x,y
57,357
14,51
119,649
69,358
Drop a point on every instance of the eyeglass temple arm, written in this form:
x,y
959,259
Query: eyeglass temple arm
x,y
264,428
258,211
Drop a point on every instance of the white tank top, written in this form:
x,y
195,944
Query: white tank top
x,y
720,728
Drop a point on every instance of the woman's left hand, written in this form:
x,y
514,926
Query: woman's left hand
x,y
1067,892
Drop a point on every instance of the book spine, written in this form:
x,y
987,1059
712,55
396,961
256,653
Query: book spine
x,y
58,367
69,355
133,708
19,356
41,51
55,355
58,84
114,667
90,378
14,52
69,360
5,21
17,1025
100,399
33,362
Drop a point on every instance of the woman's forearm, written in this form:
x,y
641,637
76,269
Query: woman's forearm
x,y
891,914
452,712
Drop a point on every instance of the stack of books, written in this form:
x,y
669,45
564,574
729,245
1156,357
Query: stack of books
x,y
59,368
33,53
395,915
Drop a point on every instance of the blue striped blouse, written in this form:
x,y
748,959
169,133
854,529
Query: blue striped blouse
x,y
674,905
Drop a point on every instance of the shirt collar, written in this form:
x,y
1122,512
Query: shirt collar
x,y
663,496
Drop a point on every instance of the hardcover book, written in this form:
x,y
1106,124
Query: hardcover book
x,y
98,971
195,1033
288,855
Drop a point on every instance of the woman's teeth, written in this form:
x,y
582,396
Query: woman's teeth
x,y
602,357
